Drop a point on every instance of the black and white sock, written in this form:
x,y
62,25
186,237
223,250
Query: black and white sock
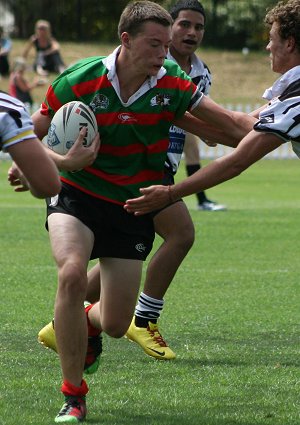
x,y
147,310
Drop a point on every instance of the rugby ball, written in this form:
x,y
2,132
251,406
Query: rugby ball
x,y
66,125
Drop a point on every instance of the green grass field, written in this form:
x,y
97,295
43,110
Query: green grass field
x,y
231,315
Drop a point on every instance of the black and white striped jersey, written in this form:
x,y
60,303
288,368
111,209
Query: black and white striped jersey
x,y
201,76
282,115
15,122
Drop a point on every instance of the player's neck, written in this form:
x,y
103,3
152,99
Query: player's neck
x,y
184,61
129,80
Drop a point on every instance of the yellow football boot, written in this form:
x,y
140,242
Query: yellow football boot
x,y
150,340
47,337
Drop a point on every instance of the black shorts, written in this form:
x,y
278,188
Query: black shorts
x,y
117,233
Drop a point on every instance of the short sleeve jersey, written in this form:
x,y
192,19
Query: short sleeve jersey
x,y
201,76
15,123
134,134
282,115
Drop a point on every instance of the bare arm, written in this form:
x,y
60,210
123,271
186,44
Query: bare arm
x,y
28,46
39,172
217,124
257,111
25,86
53,48
252,148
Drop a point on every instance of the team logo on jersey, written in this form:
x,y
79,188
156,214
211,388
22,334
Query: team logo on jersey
x,y
268,119
125,117
100,101
160,100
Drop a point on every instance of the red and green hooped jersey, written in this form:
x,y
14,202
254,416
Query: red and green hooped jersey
x,y
134,135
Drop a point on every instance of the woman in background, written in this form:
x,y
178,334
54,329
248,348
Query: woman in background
x,y
5,47
48,58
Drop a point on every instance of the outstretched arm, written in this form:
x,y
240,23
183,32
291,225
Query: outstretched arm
x,y
213,122
252,148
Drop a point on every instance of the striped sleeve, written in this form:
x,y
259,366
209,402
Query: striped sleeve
x,y
196,99
281,118
15,122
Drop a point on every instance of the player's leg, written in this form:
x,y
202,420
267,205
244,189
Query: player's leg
x,y
192,164
93,288
71,243
120,282
46,335
175,226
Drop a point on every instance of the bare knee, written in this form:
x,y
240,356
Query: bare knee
x,y
72,280
183,239
187,238
115,329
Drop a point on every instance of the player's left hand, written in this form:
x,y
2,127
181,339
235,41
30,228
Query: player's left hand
x,y
153,198
80,156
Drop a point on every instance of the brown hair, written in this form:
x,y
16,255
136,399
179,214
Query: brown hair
x,y
287,15
137,13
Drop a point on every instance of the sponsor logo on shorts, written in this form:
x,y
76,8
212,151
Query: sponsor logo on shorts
x,y
140,247
54,201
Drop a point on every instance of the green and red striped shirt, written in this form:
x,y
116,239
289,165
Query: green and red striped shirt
x,y
134,135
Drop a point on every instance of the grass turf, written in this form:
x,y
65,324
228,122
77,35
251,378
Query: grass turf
x,y
231,315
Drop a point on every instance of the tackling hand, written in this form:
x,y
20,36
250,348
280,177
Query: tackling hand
x,y
153,198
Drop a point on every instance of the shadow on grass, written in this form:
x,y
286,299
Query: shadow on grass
x,y
207,417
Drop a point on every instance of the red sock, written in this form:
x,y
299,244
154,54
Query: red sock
x,y
92,331
69,389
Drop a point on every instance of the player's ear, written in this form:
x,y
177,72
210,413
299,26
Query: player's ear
x,y
125,38
291,43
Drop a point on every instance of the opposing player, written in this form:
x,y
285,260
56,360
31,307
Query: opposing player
x,y
34,170
278,122
187,35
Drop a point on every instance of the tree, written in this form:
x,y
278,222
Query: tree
x,y
230,23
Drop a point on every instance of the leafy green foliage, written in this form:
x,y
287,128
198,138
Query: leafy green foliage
x,y
230,23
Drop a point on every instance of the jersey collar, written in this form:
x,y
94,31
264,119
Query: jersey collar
x,y
282,83
110,63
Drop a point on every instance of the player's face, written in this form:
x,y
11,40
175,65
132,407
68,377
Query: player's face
x,y
150,47
187,32
277,47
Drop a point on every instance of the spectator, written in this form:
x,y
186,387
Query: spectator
x,y
5,47
48,58
19,86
